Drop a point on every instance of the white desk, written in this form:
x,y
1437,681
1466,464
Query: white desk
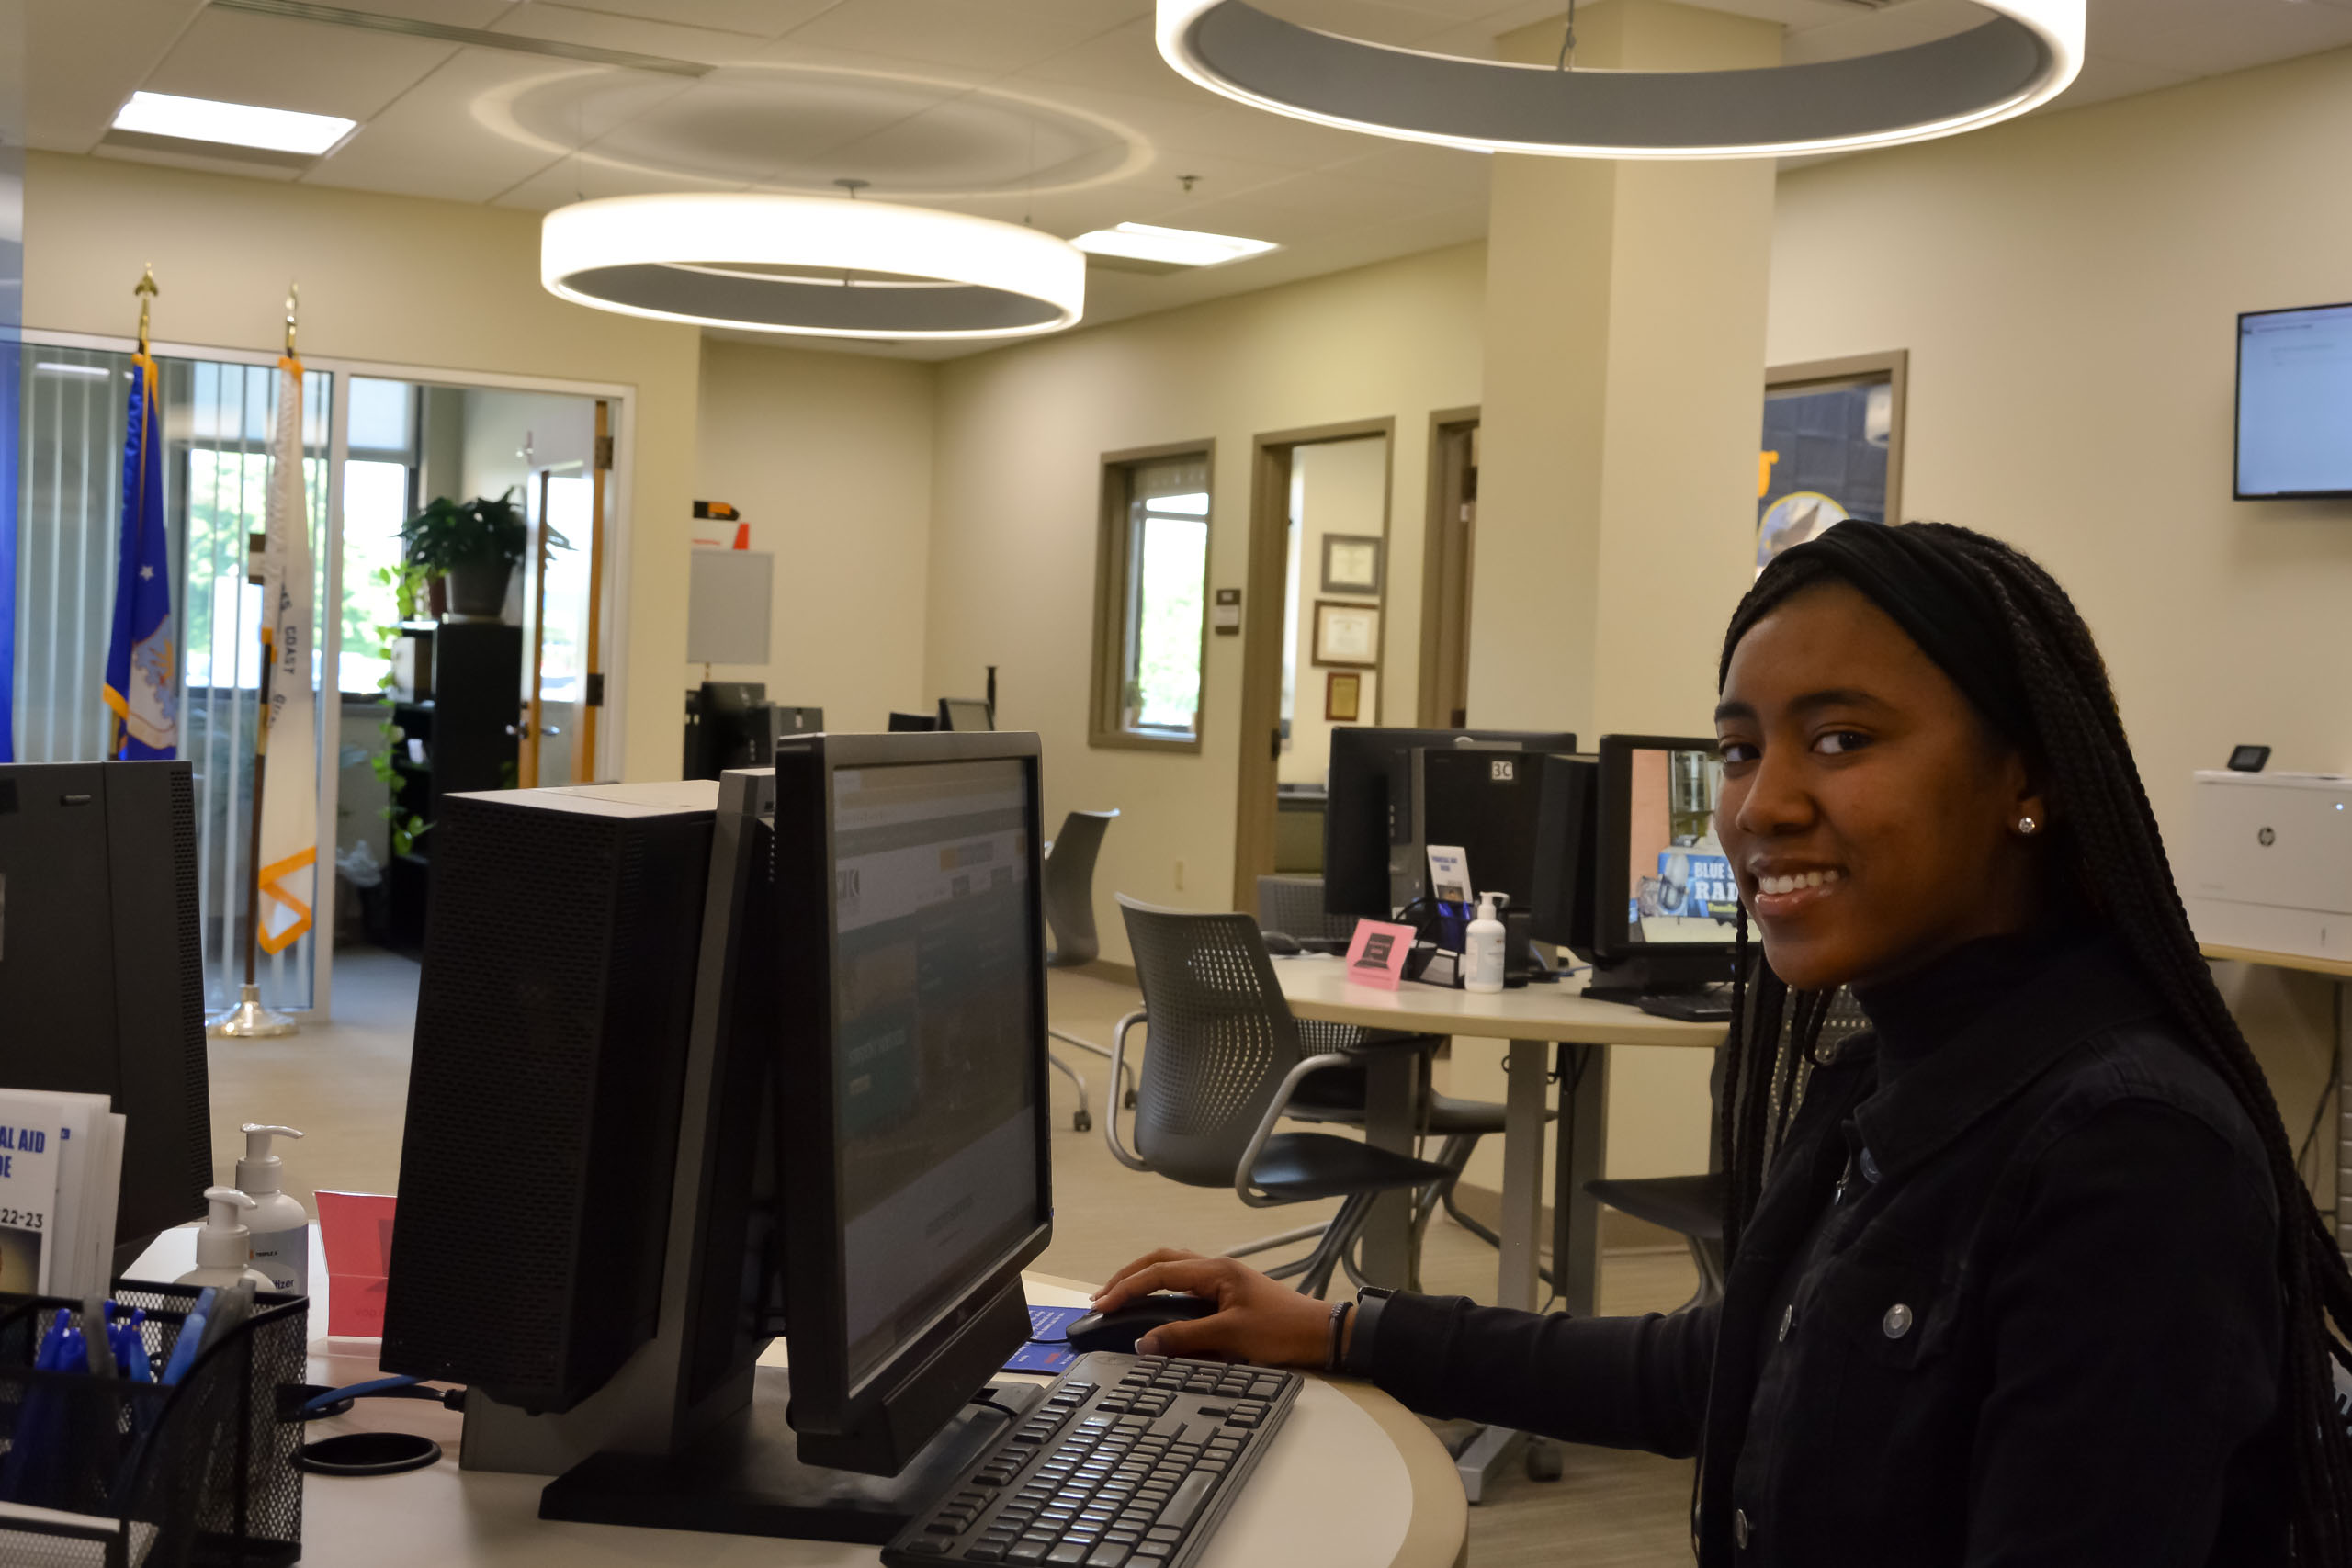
x,y
2339,971
1530,1018
1317,987
1352,1481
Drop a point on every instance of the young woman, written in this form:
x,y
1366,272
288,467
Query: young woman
x,y
2024,1276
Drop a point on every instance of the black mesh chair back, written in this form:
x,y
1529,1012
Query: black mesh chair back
x,y
1221,1039
1294,906
1068,891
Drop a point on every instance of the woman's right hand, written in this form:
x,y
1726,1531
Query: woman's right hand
x,y
1257,1319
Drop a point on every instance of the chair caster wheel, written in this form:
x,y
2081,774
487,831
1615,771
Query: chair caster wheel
x,y
1542,1460
1082,1122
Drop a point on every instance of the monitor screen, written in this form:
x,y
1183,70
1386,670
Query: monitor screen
x,y
1679,885
2294,432
937,1142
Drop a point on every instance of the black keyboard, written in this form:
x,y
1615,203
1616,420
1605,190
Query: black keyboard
x,y
1129,1463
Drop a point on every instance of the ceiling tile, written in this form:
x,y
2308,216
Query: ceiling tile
x,y
454,12
1124,60
1898,26
583,179
2102,79
284,64
753,19
1414,163
1241,131
2208,36
744,123
1341,199
87,59
430,143
601,29
976,37
1097,15
238,166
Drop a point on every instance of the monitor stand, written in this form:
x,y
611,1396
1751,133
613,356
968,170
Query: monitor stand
x,y
746,1477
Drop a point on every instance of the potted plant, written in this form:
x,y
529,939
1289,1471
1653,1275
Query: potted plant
x,y
475,544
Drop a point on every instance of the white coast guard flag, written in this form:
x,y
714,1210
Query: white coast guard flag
x,y
289,807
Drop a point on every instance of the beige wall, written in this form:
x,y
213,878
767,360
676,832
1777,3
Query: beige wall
x,y
829,457
429,285
1343,488
1015,514
2067,286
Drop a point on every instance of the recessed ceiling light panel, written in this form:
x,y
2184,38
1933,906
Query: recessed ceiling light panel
x,y
820,266
1177,247
233,125
2026,54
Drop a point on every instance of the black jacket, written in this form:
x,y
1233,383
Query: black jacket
x,y
2040,1325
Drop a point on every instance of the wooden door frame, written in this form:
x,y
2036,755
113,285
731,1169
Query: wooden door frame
x,y
1443,423
1261,628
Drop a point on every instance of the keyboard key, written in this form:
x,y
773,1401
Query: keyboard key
x,y
1188,1499
1107,1556
1067,1552
981,1552
1165,1535
1030,1549
927,1545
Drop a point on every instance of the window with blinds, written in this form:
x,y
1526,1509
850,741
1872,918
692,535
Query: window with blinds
x,y
1151,596
216,421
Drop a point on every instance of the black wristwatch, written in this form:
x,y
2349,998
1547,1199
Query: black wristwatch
x,y
1369,1303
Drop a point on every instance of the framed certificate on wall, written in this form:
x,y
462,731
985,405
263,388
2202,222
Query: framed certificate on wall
x,y
1346,637
1351,563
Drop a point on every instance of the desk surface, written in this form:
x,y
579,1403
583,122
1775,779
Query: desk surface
x,y
1353,1479
2340,969
1315,985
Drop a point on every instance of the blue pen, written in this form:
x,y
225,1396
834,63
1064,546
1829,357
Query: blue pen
x,y
130,1347
191,1337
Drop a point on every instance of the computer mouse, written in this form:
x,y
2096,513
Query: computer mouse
x,y
1280,944
1119,1328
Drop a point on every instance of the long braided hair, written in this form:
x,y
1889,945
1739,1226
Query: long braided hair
x,y
2101,820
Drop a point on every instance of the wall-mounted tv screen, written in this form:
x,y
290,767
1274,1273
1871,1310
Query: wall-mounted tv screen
x,y
2295,402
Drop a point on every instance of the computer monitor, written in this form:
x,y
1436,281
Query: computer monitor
x,y
1367,821
913,723
1485,801
966,713
1665,905
862,1164
101,967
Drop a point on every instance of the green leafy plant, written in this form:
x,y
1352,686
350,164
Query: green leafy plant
x,y
451,533
408,583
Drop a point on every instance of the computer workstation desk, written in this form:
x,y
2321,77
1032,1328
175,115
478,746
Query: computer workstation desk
x,y
1354,1480
1530,1018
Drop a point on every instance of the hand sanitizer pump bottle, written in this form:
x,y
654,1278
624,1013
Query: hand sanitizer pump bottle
x,y
224,1244
281,1227
1482,958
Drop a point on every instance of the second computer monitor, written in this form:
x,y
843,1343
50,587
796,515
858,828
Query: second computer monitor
x,y
1666,906
965,714
1367,822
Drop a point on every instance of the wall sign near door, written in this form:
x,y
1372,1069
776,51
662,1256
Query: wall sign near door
x,y
1346,637
1351,563
1343,696
1225,614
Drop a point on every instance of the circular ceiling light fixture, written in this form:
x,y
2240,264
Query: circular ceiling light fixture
x,y
821,266
2024,56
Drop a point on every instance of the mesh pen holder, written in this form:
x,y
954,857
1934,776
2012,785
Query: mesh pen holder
x,y
110,1474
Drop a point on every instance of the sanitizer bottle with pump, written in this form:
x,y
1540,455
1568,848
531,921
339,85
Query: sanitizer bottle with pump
x,y
224,1246
1482,957
281,1227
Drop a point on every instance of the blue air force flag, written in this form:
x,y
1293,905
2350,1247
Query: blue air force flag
x,y
143,669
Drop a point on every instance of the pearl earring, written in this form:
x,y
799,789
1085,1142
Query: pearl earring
x,y
2027,825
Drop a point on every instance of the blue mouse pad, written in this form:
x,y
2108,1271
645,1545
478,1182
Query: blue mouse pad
x,y
1047,1324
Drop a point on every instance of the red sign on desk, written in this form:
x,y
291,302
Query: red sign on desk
x,y
1376,957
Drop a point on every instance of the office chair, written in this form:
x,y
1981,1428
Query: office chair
x,y
1067,894
1692,1206
1224,1063
1294,906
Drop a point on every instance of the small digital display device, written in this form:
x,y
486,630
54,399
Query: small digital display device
x,y
2249,758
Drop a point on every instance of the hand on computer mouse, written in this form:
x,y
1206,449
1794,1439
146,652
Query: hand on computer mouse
x,y
1257,1319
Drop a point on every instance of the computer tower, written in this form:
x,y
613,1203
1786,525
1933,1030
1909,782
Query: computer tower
x,y
102,966
541,1135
